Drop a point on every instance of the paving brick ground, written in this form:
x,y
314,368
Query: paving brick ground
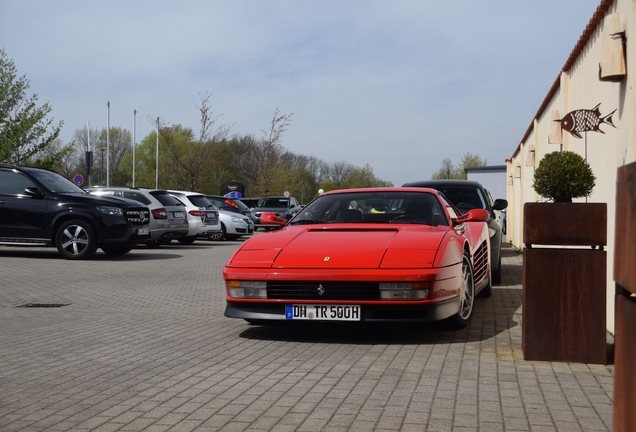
x,y
142,345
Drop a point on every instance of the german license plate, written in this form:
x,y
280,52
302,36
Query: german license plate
x,y
143,231
179,215
322,312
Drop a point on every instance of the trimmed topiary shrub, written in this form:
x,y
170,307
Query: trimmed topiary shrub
x,y
562,176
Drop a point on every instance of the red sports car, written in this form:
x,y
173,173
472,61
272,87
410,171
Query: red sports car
x,y
377,254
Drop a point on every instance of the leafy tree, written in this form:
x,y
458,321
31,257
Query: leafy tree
x,y
446,171
458,172
120,147
25,131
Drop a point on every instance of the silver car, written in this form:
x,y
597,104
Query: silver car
x,y
203,216
234,223
167,214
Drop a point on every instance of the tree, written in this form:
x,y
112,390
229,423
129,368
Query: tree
x,y
185,162
269,150
458,172
25,132
120,146
446,171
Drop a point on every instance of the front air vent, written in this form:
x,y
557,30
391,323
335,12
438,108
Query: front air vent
x,y
323,291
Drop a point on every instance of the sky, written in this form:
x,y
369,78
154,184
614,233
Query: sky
x,y
399,85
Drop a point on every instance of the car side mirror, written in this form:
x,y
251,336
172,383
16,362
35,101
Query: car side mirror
x,y
34,192
271,218
475,215
500,204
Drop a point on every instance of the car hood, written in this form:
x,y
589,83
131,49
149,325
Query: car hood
x,y
102,200
305,247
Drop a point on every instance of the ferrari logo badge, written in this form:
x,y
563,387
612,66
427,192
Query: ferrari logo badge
x,y
326,258
321,290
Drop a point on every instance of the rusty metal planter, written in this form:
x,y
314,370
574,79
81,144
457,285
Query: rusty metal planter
x,y
624,415
564,289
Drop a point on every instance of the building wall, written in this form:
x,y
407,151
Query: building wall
x,y
579,87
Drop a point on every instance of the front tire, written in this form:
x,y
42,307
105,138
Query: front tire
x,y
466,296
219,235
75,240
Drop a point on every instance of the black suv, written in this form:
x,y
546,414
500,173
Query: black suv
x,y
39,207
468,195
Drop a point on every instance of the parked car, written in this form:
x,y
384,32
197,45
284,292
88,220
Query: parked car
x,y
250,202
39,207
203,216
468,195
281,206
168,219
378,254
234,205
234,223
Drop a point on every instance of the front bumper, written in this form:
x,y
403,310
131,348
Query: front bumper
x,y
370,312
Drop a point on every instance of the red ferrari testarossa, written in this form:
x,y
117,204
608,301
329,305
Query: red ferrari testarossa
x,y
376,254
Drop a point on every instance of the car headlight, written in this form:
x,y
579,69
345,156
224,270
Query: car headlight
x,y
404,290
237,219
113,211
247,289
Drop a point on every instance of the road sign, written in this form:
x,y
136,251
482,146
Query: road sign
x,y
78,179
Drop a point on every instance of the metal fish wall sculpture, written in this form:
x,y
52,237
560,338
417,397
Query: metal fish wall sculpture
x,y
585,120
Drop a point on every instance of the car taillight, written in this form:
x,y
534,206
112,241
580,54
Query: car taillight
x,y
198,213
160,213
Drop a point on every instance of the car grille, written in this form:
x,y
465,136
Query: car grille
x,y
138,216
330,290
480,262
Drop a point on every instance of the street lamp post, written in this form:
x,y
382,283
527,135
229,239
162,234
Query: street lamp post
x,y
157,162
101,173
134,143
108,147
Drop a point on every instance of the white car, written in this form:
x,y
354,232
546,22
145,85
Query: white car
x,y
203,216
235,221
233,226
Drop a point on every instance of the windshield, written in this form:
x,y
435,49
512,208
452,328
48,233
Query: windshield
x,y
465,198
374,207
55,182
201,201
228,204
274,202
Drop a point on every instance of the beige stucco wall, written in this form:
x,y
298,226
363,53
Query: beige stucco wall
x,y
580,88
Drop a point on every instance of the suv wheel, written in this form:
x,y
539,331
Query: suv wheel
x,y
75,239
219,235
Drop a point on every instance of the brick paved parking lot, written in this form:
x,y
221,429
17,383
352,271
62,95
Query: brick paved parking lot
x,y
141,344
